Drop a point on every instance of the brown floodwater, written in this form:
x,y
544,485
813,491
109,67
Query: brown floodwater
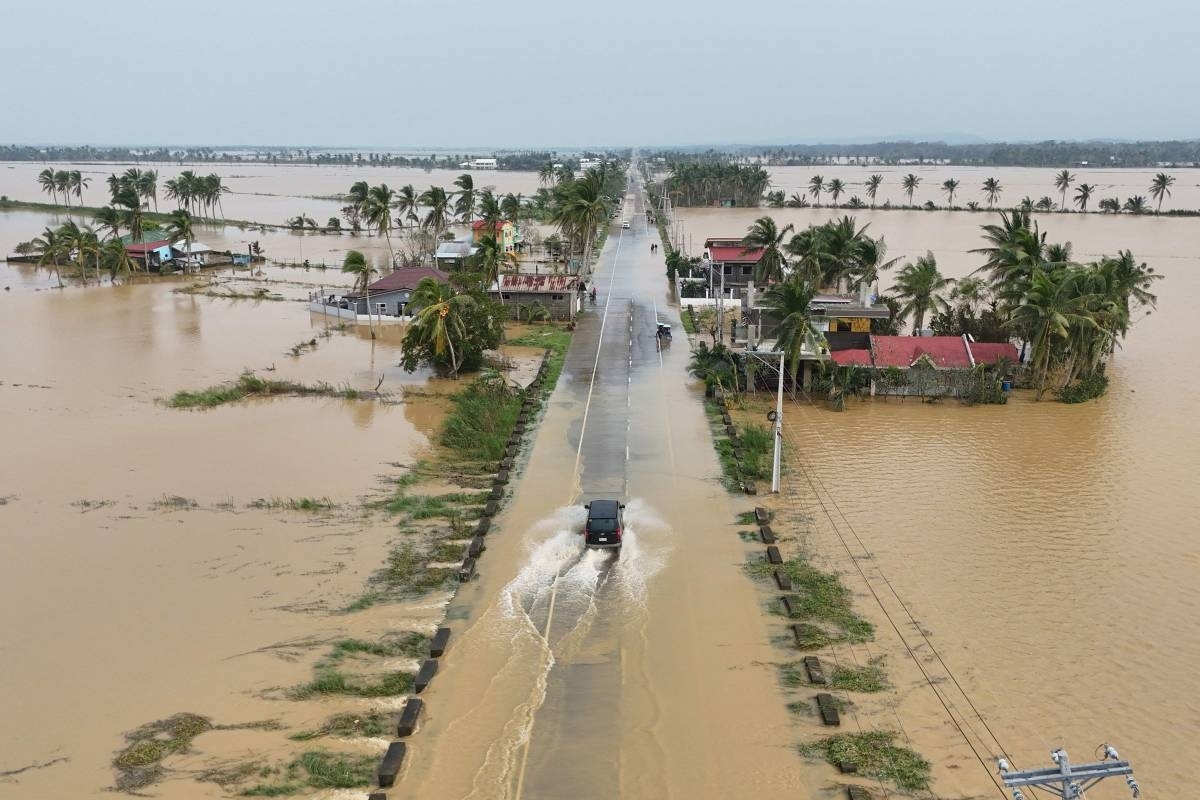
x,y
1048,550
119,606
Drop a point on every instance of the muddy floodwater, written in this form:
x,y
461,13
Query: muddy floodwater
x,y
1050,551
135,580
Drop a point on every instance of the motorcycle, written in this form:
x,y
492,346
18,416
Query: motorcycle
x,y
664,332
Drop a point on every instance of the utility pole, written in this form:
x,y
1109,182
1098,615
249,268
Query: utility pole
x,y
778,430
1068,781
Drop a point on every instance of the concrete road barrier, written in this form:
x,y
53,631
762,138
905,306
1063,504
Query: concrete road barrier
x,y
437,645
816,673
501,477
828,709
761,515
389,767
497,493
773,555
725,418
766,534
791,605
730,430
491,508
483,527
847,767
783,580
475,548
506,463
407,724
424,675
750,488
859,793
377,796
467,570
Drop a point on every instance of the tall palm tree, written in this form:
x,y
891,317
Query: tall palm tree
x,y
1052,307
1161,187
62,183
116,259
919,287
51,250
766,235
910,184
378,212
109,218
357,197
440,319
546,174
791,303
48,184
808,247
356,264
491,259
512,208
871,259
992,190
437,214
582,207
147,186
1083,194
464,205
489,210
1063,181
129,207
950,187
873,183
179,227
835,187
407,204
815,185
84,242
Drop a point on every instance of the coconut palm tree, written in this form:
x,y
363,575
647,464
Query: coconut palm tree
x,y
48,184
1161,187
546,174
464,206
50,249
129,208
1083,194
179,228
1111,205
1063,181
378,212
489,210
440,320
766,235
491,259
109,218
808,247
871,259
78,184
511,208
356,264
581,208
791,303
357,197
919,287
407,204
62,183
147,186
873,183
910,184
1135,205
950,187
815,184
992,190
437,214
83,241
116,259
1052,307
835,187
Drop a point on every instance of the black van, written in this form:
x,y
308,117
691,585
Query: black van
x,y
605,524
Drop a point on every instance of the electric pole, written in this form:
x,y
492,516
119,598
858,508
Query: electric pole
x,y
1066,780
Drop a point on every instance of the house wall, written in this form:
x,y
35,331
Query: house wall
x,y
562,307
393,302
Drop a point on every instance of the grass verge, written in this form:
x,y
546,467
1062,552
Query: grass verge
x,y
349,725
868,678
250,385
823,598
876,755
319,769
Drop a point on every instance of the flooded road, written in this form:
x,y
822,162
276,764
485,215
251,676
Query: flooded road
x,y
1049,550
578,675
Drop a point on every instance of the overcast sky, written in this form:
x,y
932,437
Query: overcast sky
x,y
527,73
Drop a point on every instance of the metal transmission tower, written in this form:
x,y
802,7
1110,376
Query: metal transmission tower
x,y
1067,780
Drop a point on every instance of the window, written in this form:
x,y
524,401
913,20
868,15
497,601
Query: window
x,y
557,297
382,309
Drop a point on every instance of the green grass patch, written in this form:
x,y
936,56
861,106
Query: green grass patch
x,y
689,324
322,769
747,518
876,755
293,504
348,725
481,419
331,681
822,597
250,385
758,444
445,551
802,708
139,763
869,678
792,675
444,506
271,790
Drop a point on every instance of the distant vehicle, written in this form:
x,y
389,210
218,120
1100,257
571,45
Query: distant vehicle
x,y
625,224
605,524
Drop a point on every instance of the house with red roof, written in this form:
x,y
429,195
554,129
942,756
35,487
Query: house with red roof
x,y
151,255
731,259
929,364
505,232
390,295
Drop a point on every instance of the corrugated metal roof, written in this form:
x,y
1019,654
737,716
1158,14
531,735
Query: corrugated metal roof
x,y
861,358
992,352
946,352
735,255
538,283
402,279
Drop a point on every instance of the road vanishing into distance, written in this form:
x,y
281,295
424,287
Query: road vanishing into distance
x,y
576,674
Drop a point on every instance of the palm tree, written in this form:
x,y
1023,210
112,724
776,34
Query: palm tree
x,y
179,227
78,184
1160,187
116,259
950,187
489,210
910,184
836,188
873,183
437,215
378,212
815,184
407,204
582,207
512,208
84,242
1063,181
464,206
765,235
809,248
791,302
492,259
440,319
50,249
1111,204
919,287
546,174
357,197
147,186
356,264
48,184
62,183
992,189
1083,194
871,261
129,207
1135,205
109,218
1052,307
